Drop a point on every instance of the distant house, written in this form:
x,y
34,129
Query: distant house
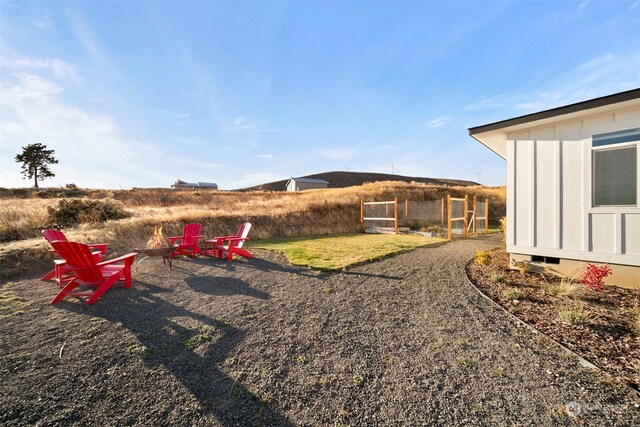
x,y
197,185
299,184
573,185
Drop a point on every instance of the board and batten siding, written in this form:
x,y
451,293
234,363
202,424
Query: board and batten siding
x,y
549,194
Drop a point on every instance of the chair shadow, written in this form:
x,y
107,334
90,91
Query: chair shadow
x,y
172,345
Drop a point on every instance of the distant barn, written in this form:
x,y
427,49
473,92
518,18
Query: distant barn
x,y
195,185
299,184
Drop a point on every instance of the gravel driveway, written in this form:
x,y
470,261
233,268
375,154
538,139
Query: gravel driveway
x,y
401,341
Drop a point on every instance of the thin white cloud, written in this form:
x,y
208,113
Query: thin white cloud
x,y
87,38
595,62
174,114
265,156
60,70
257,125
438,122
600,76
491,103
583,5
45,22
542,100
32,87
193,163
337,154
243,123
191,140
175,117
243,143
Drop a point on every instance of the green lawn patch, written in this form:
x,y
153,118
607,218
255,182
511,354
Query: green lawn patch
x,y
337,252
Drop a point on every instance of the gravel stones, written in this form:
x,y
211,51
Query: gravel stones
x,y
400,341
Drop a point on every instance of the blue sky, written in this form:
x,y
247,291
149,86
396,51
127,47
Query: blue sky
x,y
241,93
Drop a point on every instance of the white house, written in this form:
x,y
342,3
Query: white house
x,y
299,184
573,184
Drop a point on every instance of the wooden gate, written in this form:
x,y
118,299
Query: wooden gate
x,y
458,210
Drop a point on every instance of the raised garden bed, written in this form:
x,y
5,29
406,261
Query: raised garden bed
x,y
603,327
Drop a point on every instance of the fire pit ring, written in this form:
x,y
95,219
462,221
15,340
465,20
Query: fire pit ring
x,y
163,251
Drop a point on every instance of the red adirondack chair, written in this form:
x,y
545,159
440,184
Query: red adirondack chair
x,y
188,241
234,243
88,272
99,251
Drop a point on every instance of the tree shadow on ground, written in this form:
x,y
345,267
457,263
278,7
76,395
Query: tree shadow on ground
x,y
266,266
224,286
269,266
190,346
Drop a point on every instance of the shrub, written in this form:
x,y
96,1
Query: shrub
x,y
575,316
497,278
593,276
567,288
513,294
8,232
358,380
523,266
71,212
483,257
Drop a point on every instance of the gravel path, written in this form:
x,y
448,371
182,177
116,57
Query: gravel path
x,y
401,341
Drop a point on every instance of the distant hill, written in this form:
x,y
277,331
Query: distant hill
x,y
338,179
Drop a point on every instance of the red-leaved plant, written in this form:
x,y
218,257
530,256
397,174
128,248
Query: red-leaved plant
x,y
593,276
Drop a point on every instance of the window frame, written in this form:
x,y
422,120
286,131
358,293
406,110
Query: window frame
x,y
610,147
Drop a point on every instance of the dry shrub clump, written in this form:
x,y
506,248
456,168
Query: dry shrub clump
x,y
483,257
575,315
71,212
567,288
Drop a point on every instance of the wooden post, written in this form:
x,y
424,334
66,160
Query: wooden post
x,y
466,214
362,215
449,215
475,216
441,211
395,213
486,215
406,208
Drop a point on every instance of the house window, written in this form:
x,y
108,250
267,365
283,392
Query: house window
x,y
615,168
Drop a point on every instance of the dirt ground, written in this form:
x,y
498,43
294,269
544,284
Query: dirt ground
x,y
401,341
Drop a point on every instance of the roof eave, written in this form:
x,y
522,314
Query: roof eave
x,y
494,141
494,135
556,113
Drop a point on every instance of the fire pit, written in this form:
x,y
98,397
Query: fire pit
x,y
157,246
164,252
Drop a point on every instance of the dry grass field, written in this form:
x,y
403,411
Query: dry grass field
x,y
24,213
